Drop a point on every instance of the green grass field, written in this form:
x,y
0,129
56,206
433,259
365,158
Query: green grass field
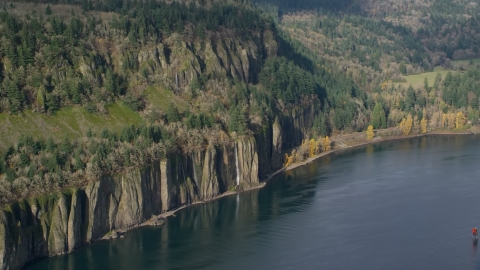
x,y
160,98
72,122
418,79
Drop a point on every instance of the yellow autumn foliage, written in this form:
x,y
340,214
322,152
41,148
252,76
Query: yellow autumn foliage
x,y
384,85
326,144
423,125
406,125
444,120
288,160
370,133
460,120
451,120
313,147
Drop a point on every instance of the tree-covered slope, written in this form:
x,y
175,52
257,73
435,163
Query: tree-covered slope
x,y
378,44
92,89
383,39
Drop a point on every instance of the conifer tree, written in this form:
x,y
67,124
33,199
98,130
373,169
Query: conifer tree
x,y
110,81
172,114
425,85
378,116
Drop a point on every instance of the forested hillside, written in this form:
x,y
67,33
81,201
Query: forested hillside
x,y
383,39
187,75
378,44
95,87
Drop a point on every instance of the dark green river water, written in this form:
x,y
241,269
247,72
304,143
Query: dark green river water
x,y
406,204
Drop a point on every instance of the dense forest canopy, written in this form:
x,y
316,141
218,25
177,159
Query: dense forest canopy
x,y
417,34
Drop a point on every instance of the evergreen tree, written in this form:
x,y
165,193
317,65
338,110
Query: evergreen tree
x,y
237,121
425,85
438,80
111,81
172,114
24,159
53,103
378,116
410,99
85,5
15,96
403,69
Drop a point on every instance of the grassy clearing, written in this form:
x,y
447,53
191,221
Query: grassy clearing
x,y
465,64
418,79
160,98
466,61
72,122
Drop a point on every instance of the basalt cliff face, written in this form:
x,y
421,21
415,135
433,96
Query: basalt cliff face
x,y
58,223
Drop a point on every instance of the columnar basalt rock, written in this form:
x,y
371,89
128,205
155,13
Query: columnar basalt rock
x,y
248,163
59,223
209,184
277,143
75,222
175,62
165,184
57,240
5,253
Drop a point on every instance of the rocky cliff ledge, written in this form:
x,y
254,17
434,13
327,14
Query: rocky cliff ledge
x,y
58,223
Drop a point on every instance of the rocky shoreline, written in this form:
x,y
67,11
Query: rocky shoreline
x,y
159,220
471,131
296,165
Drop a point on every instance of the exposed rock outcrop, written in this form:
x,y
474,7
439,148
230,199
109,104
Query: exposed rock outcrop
x,y
175,62
59,223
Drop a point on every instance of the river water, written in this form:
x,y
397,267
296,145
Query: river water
x,y
407,204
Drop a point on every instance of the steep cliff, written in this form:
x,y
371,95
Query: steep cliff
x,y
175,62
287,131
58,223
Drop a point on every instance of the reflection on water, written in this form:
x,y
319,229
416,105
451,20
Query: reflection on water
x,y
338,212
370,149
423,143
